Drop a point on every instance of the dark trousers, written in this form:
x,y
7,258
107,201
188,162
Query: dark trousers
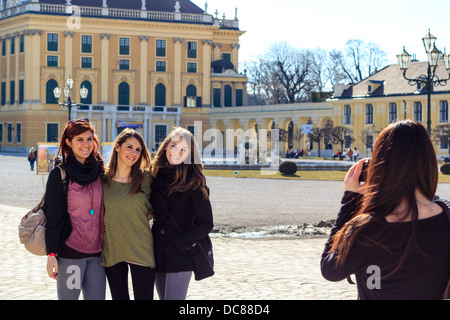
x,y
143,279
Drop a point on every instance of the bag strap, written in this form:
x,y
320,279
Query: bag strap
x,y
39,205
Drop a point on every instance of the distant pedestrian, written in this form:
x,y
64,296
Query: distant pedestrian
x,y
31,158
350,154
180,200
74,215
355,154
390,232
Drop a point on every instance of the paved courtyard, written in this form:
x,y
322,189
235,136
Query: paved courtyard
x,y
246,268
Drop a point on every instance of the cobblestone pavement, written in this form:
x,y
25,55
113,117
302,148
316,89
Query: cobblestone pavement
x,y
257,269
246,269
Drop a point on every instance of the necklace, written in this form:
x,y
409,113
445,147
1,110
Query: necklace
x,y
92,199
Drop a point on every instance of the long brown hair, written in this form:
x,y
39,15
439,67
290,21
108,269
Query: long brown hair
x,y
193,162
138,169
403,161
75,128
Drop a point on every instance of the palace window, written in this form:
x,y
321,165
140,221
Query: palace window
x,y
228,99
124,64
52,42
192,67
369,113
124,94
124,46
21,90
192,49
52,61
86,44
12,91
50,97
239,98
22,43
347,114
3,99
86,62
392,112
18,132
160,48
161,66
160,95
418,111
443,111
52,132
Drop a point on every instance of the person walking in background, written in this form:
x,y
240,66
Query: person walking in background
x,y
350,154
74,215
128,237
32,158
182,212
390,232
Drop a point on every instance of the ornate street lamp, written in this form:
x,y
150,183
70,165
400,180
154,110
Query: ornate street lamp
x,y
68,94
430,79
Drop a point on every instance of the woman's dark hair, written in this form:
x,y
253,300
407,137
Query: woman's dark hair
x,y
403,161
193,162
75,128
138,169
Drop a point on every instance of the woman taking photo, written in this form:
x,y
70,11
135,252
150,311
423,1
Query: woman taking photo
x,y
182,212
389,231
128,237
74,215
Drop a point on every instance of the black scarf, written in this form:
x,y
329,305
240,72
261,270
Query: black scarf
x,y
80,173
166,176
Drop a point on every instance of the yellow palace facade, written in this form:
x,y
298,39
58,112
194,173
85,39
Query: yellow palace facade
x,y
152,65
145,65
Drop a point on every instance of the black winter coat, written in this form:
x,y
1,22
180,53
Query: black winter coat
x,y
190,211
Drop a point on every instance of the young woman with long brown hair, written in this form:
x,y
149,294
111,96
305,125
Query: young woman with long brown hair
x,y
74,215
128,237
390,232
182,212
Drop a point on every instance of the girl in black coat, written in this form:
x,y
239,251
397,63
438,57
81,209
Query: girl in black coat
x,y
182,212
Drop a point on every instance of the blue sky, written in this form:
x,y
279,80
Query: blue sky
x,y
328,24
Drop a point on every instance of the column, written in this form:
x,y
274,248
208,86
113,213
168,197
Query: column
x,y
207,87
32,66
16,72
143,70
104,72
68,43
8,69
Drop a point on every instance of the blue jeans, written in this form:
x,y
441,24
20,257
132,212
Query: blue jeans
x,y
81,275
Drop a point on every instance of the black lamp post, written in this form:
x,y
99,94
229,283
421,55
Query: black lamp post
x,y
430,79
68,94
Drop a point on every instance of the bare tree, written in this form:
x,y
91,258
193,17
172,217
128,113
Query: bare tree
x,y
321,71
339,134
367,138
282,75
357,61
317,135
440,134
298,136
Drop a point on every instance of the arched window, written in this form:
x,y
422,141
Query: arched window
x,y
124,94
191,96
228,96
50,97
88,86
160,95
